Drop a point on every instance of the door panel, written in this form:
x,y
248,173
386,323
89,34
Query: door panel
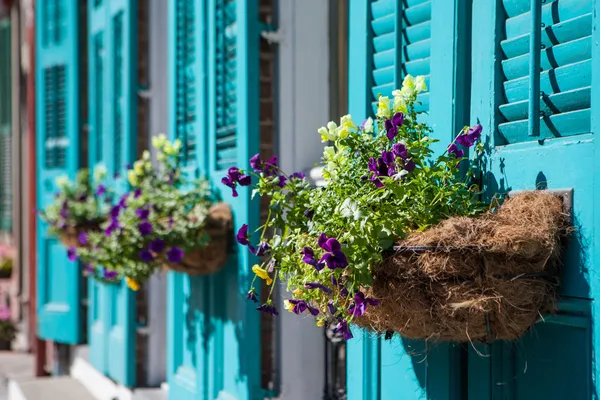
x,y
417,38
113,81
214,350
58,128
551,145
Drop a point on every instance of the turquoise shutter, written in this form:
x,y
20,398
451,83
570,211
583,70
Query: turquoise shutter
x,y
214,94
58,128
189,312
530,134
113,136
387,41
6,195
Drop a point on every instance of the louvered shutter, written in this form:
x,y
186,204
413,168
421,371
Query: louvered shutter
x,y
389,39
5,128
564,73
401,45
57,139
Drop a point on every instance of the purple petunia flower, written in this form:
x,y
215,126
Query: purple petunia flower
x,y
175,255
108,274
146,256
72,253
268,309
142,213
263,248
145,228
157,245
317,285
297,175
252,296
453,149
344,329
82,238
100,190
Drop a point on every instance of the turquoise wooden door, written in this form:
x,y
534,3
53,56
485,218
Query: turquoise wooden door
x,y
536,91
388,40
57,137
214,342
112,142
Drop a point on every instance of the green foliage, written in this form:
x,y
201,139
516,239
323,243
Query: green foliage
x,y
163,211
366,204
78,203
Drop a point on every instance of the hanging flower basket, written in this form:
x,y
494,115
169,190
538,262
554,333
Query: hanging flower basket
x,y
75,236
473,279
212,257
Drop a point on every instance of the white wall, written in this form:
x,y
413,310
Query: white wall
x,y
303,108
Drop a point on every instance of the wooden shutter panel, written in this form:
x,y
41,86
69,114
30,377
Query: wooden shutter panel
x,y
565,69
5,128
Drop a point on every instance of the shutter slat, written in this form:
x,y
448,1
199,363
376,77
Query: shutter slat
x,y
384,43
418,14
382,8
384,75
565,124
557,56
418,50
384,59
384,25
416,33
556,103
418,67
561,32
552,13
570,77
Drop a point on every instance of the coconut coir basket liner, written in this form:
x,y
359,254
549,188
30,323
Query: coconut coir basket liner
x,y
473,279
212,257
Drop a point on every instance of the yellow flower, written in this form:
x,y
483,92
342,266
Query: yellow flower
x,y
320,322
133,179
169,149
400,104
420,85
159,141
288,306
177,145
346,125
368,125
133,284
329,133
262,274
62,181
138,167
146,155
409,81
297,292
383,107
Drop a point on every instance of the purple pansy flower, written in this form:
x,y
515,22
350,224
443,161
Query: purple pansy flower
x,y
268,309
400,150
387,157
391,125
145,228
335,258
72,253
471,136
157,245
114,225
114,212
88,269
242,235
410,166
123,201
269,167
142,213
317,285
344,292
344,329
83,238
453,149
234,176
308,213
282,181
309,258
252,296
331,308
137,193
100,190
300,306
175,255
256,163
82,198
146,256
360,304
297,175
64,213
108,274
263,248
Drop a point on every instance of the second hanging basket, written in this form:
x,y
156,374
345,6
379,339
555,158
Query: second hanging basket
x,y
212,257
473,279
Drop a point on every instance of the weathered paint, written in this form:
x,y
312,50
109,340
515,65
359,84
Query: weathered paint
x,y
112,39
57,138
